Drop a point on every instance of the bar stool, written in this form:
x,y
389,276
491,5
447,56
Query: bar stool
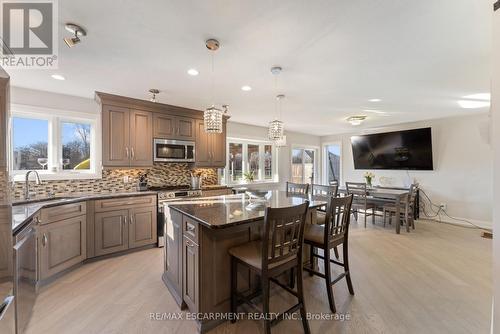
x,y
334,233
297,188
323,191
279,251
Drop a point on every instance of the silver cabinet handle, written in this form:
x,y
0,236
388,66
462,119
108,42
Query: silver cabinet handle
x,y
127,152
45,240
125,220
133,153
131,220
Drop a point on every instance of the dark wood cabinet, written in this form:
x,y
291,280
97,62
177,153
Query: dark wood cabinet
x,y
142,227
210,147
111,232
61,245
174,127
190,286
127,137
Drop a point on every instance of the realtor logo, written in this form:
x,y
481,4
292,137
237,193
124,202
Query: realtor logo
x,y
28,34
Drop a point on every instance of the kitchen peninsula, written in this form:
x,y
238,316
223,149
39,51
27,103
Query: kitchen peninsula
x,y
199,234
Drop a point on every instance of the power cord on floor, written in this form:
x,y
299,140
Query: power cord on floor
x,y
437,214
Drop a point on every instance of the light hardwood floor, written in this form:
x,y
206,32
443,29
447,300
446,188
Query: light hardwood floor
x,y
436,279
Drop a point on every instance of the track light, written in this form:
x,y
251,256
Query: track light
x,y
77,31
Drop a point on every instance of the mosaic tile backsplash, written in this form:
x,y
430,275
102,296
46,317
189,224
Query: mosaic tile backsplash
x,y
113,180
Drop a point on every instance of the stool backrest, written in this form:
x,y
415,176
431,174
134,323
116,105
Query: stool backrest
x,y
321,190
338,215
283,234
358,190
297,188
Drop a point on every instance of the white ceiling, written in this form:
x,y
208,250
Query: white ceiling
x,y
419,57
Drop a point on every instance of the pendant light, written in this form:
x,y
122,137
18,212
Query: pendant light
x,y
276,127
212,116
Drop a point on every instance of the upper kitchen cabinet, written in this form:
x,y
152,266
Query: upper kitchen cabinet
x,y
4,110
141,138
210,147
173,127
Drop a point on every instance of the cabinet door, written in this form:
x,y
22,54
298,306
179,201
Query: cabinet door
x,y
173,249
62,245
142,227
202,145
4,111
190,287
164,126
115,136
111,232
185,128
141,138
218,149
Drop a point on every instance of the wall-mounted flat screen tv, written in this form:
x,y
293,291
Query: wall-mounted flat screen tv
x,y
409,149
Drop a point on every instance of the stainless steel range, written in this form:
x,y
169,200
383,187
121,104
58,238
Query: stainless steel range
x,y
169,194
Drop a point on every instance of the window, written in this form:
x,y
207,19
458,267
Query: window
x,y
332,162
250,161
303,165
59,144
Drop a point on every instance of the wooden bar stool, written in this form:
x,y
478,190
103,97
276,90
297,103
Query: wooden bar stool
x,y
279,251
323,191
334,233
297,188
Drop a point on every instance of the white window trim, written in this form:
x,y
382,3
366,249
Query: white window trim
x,y
245,142
57,117
317,159
325,162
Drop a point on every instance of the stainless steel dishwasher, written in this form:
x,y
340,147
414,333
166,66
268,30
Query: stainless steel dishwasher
x,y
25,274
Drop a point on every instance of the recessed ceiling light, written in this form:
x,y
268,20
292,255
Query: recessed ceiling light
x,y
374,100
58,77
356,120
246,88
193,71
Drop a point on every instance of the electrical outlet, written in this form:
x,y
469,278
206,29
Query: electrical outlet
x,y
126,179
443,206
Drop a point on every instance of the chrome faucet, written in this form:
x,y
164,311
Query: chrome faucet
x,y
27,183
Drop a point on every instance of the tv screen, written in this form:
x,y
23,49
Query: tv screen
x,y
410,149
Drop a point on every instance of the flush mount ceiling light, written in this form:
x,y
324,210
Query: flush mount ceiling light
x,y
77,31
213,116
193,72
356,120
153,92
246,88
374,100
58,77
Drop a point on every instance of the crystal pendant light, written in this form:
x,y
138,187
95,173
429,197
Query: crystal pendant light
x,y
277,127
212,117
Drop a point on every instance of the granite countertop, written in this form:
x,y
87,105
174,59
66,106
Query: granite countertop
x,y
23,211
229,210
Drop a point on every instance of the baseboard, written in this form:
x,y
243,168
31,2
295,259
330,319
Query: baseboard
x,y
479,223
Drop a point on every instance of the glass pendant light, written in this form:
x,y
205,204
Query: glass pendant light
x,y
276,127
212,117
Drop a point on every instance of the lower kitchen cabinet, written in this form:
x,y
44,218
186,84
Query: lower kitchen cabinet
x,y
190,286
61,245
111,232
142,227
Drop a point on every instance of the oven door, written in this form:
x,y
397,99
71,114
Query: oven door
x,y
173,151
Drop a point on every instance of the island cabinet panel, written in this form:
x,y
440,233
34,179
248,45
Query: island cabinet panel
x,y
173,255
115,136
141,138
190,284
61,245
142,226
111,232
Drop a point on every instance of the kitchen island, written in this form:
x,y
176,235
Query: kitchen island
x,y
199,233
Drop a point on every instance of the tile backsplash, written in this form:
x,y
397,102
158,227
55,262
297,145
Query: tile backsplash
x,y
113,180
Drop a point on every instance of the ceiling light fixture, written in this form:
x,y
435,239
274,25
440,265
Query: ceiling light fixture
x,y
77,31
374,100
356,120
193,72
246,88
153,92
276,129
213,116
58,77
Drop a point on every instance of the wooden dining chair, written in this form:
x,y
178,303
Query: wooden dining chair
x,y
360,200
323,191
406,210
279,251
297,188
334,183
334,233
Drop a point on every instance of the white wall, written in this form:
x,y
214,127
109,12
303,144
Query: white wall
x,y
245,131
462,176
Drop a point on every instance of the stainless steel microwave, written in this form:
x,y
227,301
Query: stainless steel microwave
x,y
166,150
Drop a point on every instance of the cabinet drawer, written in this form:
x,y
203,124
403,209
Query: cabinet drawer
x,y
65,211
190,229
123,203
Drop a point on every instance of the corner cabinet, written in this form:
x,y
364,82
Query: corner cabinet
x,y
210,147
127,137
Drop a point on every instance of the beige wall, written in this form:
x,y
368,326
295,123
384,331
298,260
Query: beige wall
x,y
462,175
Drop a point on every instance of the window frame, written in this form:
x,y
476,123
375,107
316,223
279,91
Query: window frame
x,y
56,118
317,161
260,178
325,161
